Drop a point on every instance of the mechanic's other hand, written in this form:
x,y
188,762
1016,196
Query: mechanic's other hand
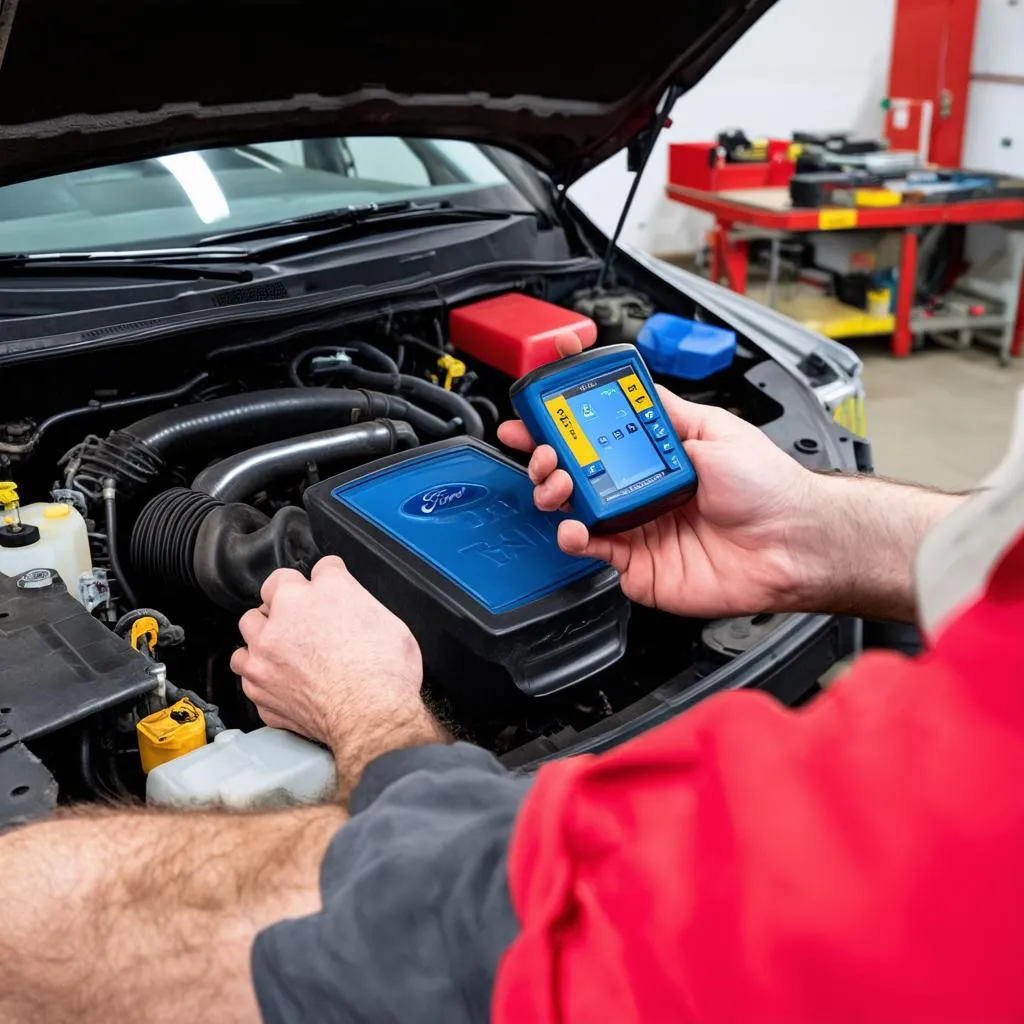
x,y
326,659
734,549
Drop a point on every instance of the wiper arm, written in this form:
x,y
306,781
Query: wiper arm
x,y
308,222
183,263
344,219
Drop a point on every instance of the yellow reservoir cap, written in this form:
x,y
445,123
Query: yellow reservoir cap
x,y
56,511
169,733
8,495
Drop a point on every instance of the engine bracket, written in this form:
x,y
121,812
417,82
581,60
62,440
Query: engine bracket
x,y
60,665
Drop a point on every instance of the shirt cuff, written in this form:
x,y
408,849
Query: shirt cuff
x,y
436,758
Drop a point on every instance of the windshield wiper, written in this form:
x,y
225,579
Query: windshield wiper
x,y
216,257
189,263
328,222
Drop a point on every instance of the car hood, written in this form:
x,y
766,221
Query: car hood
x,y
565,86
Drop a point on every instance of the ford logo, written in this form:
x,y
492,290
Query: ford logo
x,y
445,500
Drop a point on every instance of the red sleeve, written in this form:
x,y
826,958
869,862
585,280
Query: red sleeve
x,y
860,859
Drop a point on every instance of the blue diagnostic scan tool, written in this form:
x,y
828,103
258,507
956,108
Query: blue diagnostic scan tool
x,y
602,415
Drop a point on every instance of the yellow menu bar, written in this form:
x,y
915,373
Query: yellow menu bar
x,y
580,446
635,392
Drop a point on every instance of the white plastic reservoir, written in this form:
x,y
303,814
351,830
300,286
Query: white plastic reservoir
x,y
244,771
62,543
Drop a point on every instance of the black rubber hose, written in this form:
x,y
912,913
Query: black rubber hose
x,y
110,502
89,777
422,391
447,401
240,476
266,415
389,380
118,403
479,402
370,353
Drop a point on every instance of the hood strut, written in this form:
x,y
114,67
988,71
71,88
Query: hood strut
x,y
7,10
646,143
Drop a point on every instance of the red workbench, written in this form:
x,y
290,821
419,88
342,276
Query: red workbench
x,y
770,209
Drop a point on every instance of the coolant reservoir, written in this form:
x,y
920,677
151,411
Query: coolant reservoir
x,y
245,771
51,536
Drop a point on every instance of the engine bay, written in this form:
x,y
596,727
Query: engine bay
x,y
160,485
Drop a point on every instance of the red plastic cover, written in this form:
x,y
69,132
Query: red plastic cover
x,y
515,333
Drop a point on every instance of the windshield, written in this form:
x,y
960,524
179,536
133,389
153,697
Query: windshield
x,y
181,198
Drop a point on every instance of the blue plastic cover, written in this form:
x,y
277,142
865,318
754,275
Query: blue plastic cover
x,y
684,348
472,518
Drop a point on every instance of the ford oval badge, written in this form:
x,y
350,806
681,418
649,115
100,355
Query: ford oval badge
x,y
445,500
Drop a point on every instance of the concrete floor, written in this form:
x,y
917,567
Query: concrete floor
x,y
939,417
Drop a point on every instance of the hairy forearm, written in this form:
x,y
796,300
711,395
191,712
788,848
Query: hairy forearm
x,y
858,543
356,744
131,915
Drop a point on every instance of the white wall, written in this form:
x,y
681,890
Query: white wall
x,y
994,139
806,65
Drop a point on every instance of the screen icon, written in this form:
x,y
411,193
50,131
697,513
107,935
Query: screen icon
x,y
618,435
631,428
588,411
603,439
649,414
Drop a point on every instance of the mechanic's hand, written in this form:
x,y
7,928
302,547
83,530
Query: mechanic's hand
x,y
327,660
733,549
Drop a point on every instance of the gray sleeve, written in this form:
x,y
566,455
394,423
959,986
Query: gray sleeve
x,y
416,910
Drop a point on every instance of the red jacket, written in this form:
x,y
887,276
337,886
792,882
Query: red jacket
x,y
859,859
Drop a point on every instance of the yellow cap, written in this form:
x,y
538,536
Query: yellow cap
x,y
169,733
454,370
8,494
57,511
145,629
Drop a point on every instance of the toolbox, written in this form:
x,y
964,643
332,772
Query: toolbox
x,y
703,165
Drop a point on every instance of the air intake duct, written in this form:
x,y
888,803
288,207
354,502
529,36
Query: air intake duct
x,y
186,543
241,475
137,455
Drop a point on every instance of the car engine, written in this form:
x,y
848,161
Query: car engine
x,y
144,519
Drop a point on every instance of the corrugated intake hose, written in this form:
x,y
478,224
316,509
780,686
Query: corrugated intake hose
x,y
240,476
164,539
187,543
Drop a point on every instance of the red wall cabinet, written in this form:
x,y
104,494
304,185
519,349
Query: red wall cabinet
x,y
931,61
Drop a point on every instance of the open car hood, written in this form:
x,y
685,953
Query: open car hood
x,y
113,80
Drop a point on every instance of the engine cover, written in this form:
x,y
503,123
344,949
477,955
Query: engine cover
x,y
449,538
59,667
